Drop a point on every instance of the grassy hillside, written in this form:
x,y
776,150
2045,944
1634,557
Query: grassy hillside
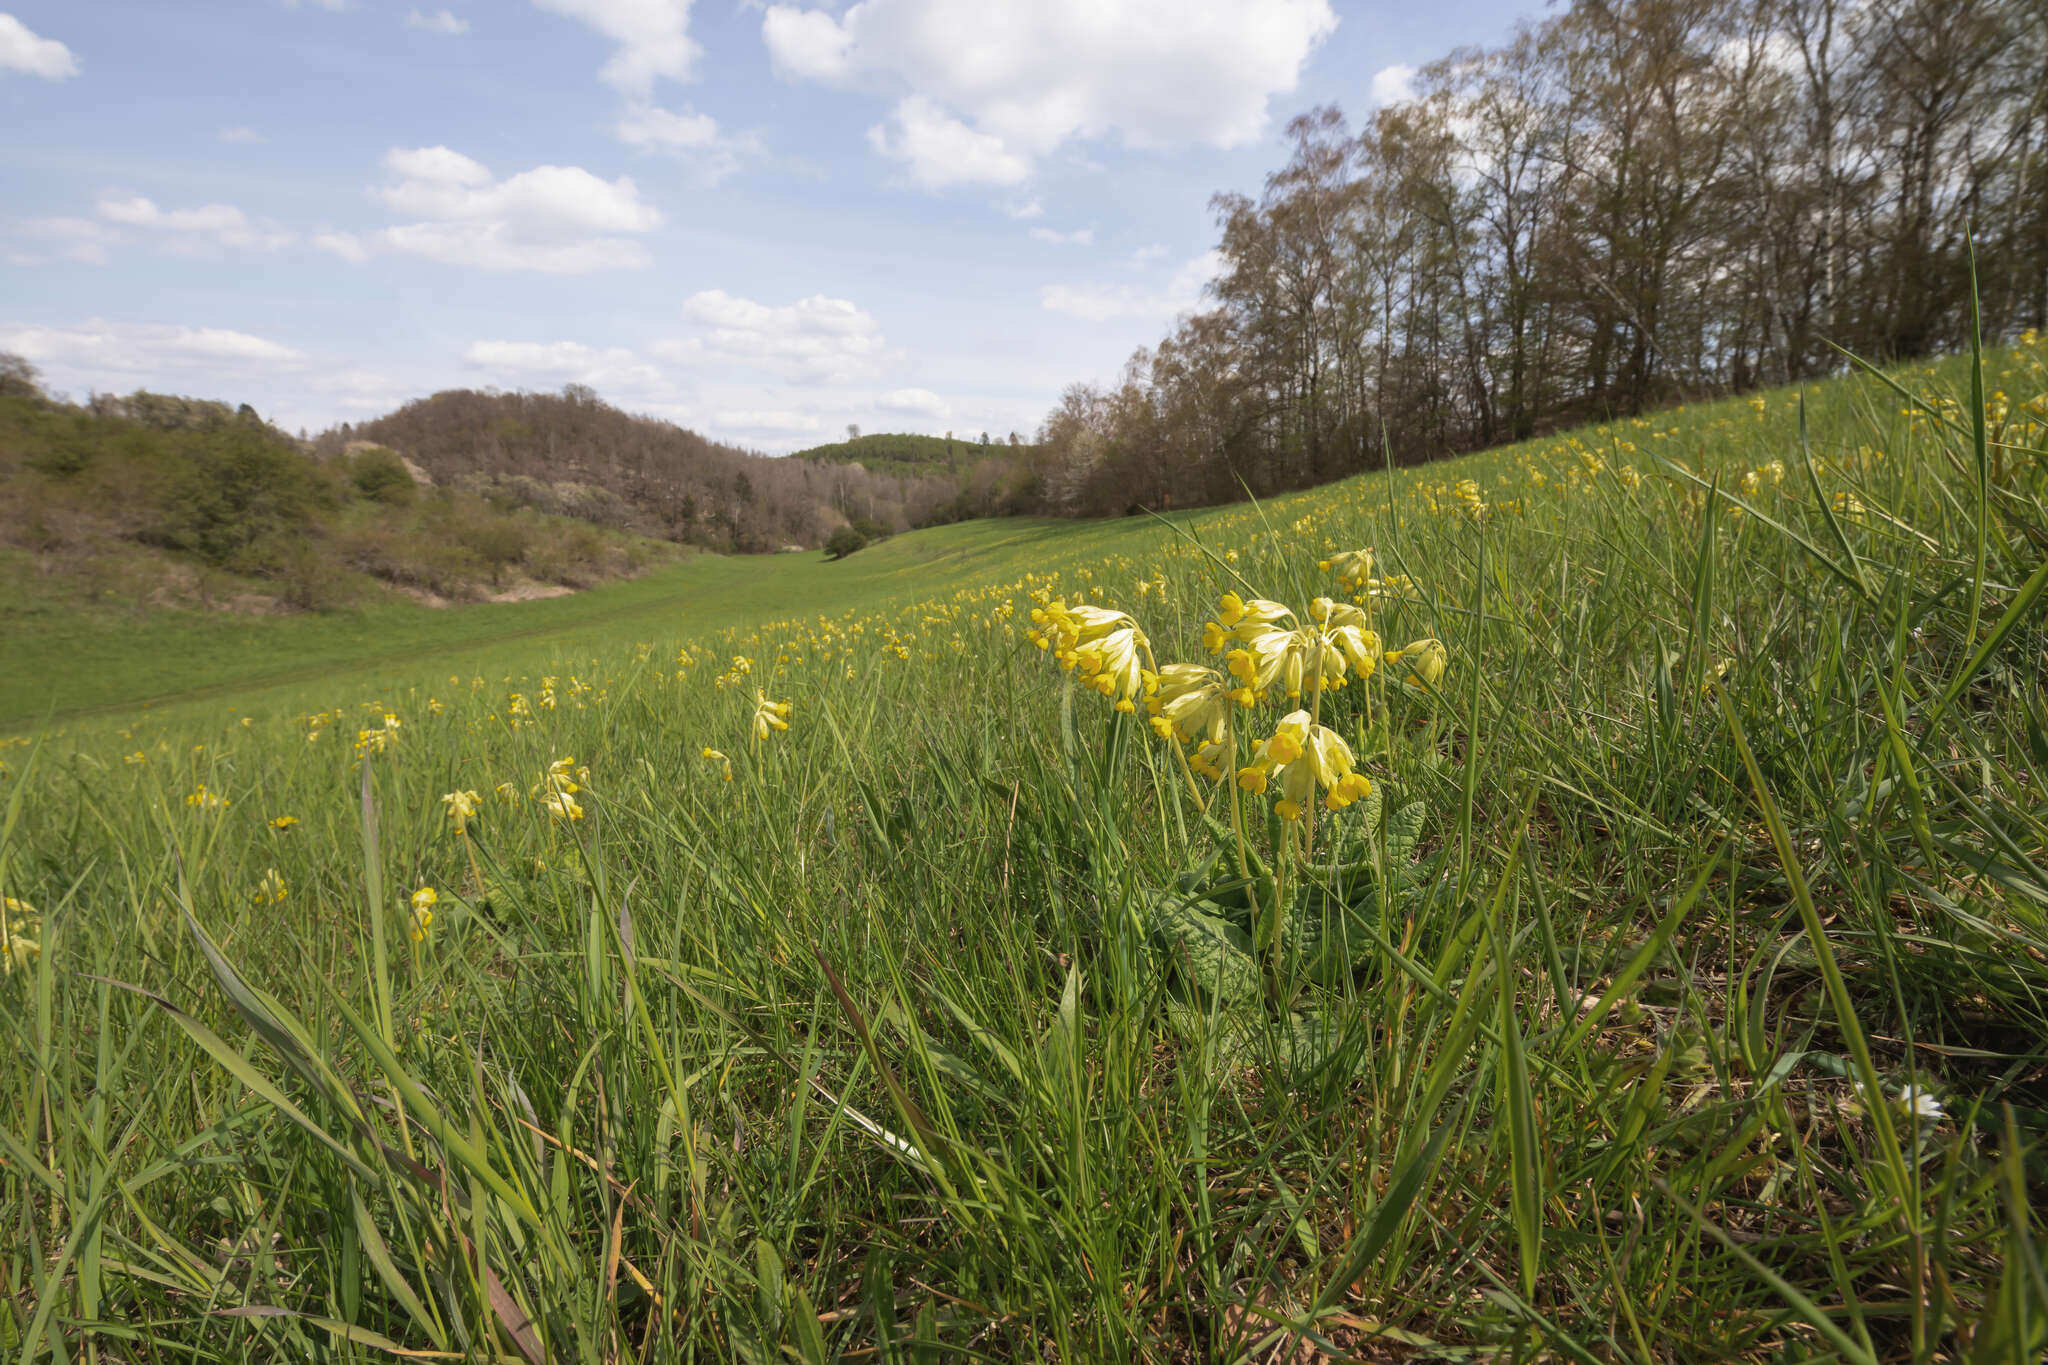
x,y
1624,938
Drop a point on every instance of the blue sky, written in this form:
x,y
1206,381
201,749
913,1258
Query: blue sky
x,y
764,221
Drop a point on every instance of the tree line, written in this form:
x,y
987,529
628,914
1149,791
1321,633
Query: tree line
x,y
1630,204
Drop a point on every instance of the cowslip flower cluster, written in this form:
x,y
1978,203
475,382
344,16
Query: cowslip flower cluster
x,y
423,902
711,755
557,788
769,716
1105,647
1301,756
202,799
462,808
20,935
271,890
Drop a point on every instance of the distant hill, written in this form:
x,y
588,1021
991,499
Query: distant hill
x,y
905,456
573,453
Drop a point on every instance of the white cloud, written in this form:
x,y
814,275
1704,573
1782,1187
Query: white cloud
x,y
940,151
1393,84
818,338
770,421
689,135
83,240
1078,237
557,219
331,5
441,21
99,348
914,402
346,245
21,50
610,368
1144,256
1105,302
1028,208
241,133
991,88
209,225
653,37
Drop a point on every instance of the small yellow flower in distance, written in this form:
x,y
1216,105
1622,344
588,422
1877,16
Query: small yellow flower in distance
x,y
769,716
462,807
1353,568
281,823
271,890
724,763
423,902
202,799
19,927
1425,659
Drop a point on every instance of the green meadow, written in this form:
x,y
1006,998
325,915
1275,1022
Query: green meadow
x,y
1606,922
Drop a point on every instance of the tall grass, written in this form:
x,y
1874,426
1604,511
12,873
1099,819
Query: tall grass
x,y
1678,994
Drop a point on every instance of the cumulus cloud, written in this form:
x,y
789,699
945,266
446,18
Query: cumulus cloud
x,y
817,339
694,138
1078,237
441,21
205,227
99,348
611,368
1106,302
21,50
914,403
1025,208
241,133
1393,84
346,245
83,240
990,89
938,151
556,219
653,37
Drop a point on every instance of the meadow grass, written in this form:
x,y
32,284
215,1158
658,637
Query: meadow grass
x,y
1677,993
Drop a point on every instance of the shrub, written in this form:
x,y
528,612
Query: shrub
x,y
844,541
381,476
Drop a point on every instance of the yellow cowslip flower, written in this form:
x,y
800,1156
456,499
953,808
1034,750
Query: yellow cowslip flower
x,y
1303,756
1190,700
1353,568
769,716
423,902
135,759
1114,665
507,793
462,808
271,890
282,823
562,806
1249,618
1426,660
724,763
20,926
561,778
202,799
1344,630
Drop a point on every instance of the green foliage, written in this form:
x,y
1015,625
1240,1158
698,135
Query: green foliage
x,y
900,454
381,476
843,542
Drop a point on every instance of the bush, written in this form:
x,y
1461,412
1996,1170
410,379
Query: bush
x,y
381,476
234,490
844,541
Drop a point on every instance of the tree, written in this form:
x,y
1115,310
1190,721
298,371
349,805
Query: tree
x,y
853,431
18,377
843,542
